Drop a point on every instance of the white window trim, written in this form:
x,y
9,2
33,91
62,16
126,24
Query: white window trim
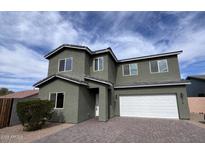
x,y
129,70
65,64
55,108
98,64
158,67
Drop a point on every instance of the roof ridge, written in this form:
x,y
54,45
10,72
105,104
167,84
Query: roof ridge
x,y
152,55
109,49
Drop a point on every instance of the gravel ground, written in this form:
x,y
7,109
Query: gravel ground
x,y
15,134
134,130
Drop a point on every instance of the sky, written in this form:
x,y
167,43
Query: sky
x,y
25,37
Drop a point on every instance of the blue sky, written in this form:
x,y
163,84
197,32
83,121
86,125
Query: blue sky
x,y
26,36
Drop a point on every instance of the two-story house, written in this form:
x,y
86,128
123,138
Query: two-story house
x,y
84,84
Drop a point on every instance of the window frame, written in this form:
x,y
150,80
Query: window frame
x,y
98,66
158,61
55,108
129,70
64,70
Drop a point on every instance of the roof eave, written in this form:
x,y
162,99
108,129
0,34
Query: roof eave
x,y
196,78
151,85
151,56
61,77
100,81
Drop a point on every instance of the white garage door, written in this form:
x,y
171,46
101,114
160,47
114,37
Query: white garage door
x,y
155,106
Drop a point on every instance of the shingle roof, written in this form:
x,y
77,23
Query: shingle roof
x,y
21,94
109,50
151,56
200,77
152,84
69,46
98,80
63,77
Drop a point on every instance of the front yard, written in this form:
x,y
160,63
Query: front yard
x,y
15,134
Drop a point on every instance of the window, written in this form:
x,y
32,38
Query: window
x,y
61,65
98,64
130,69
65,64
158,66
154,66
163,65
126,70
57,99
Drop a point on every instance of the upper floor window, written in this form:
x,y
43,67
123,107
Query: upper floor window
x,y
65,64
159,66
98,64
130,69
57,99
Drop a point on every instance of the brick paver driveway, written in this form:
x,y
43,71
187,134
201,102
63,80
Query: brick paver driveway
x,y
130,130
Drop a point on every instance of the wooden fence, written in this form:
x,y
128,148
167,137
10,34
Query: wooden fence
x,y
5,111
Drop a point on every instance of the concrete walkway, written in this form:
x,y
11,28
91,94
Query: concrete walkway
x,y
130,130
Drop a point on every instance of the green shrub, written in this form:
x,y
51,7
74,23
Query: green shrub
x,y
34,113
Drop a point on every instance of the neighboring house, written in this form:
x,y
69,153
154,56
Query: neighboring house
x,y
17,97
86,84
197,86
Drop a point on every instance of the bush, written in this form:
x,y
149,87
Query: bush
x,y
34,113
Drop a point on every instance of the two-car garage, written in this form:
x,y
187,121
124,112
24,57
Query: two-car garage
x,y
152,102
152,106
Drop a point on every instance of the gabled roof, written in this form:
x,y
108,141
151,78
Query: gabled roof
x,y
199,77
21,94
68,46
109,50
153,84
98,80
63,77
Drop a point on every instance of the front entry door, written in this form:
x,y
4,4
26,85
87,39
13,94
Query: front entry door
x,y
97,105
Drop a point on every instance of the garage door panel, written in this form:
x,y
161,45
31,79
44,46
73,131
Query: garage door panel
x,y
159,106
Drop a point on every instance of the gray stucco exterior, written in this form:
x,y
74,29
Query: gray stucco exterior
x,y
79,67
69,113
144,74
80,100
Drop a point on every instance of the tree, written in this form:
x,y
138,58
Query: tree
x,y
5,91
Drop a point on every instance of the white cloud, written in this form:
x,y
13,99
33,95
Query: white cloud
x,y
125,45
37,28
22,63
186,36
191,40
21,32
